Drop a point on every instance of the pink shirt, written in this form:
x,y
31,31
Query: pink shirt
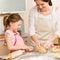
x,y
16,38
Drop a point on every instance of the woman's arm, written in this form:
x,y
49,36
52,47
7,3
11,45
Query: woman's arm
x,y
50,41
57,28
35,39
32,26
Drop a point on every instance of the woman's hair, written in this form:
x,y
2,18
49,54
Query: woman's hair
x,y
11,18
49,2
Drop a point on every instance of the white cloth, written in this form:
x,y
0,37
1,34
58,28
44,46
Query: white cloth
x,y
44,26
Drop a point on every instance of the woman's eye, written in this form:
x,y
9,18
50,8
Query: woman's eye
x,y
37,4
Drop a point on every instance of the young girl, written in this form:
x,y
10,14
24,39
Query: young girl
x,y
14,41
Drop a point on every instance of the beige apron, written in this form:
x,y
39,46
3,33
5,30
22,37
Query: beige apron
x,y
44,27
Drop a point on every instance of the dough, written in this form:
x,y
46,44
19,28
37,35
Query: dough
x,y
42,50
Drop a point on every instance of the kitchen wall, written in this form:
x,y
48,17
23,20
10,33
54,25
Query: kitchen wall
x,y
25,14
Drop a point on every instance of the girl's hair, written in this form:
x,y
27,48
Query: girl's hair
x,y
11,18
49,2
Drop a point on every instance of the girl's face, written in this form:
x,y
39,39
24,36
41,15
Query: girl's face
x,y
16,26
41,5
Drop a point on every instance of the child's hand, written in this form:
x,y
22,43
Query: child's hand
x,y
30,48
25,47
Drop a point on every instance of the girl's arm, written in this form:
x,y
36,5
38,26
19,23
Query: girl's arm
x,y
10,45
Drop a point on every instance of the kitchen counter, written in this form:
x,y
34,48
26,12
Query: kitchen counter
x,y
28,55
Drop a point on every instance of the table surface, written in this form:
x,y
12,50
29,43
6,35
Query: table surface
x,y
37,56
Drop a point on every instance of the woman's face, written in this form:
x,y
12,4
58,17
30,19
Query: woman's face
x,y
41,5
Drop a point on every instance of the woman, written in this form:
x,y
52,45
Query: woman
x,y
44,21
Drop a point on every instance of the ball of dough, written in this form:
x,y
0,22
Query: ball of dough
x,y
42,50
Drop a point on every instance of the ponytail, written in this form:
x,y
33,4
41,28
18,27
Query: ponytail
x,y
5,23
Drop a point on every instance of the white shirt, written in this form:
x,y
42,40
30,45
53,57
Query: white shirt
x,y
44,26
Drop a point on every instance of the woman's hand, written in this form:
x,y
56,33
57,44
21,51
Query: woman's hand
x,y
38,44
48,44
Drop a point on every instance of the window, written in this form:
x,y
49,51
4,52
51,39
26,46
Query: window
x,y
8,6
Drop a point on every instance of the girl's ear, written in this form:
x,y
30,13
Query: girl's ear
x,y
11,23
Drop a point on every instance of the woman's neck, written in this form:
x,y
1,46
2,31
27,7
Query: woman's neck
x,y
47,11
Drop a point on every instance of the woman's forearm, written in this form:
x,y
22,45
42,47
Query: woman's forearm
x,y
54,37
35,39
